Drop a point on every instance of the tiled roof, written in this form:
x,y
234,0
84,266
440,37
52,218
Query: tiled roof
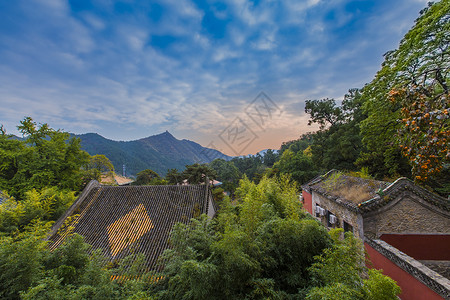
x,y
346,189
124,220
121,180
395,191
367,194
114,178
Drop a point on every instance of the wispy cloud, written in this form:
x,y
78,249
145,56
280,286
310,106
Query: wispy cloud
x,y
129,69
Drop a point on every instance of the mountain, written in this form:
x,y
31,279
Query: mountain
x,y
158,152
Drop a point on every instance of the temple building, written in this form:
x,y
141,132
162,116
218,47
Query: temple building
x,y
404,227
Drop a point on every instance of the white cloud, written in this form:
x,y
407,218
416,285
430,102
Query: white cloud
x,y
94,21
85,70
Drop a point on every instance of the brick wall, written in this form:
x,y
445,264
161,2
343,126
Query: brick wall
x,y
307,202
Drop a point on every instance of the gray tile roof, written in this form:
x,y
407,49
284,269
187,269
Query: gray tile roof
x,y
124,220
366,195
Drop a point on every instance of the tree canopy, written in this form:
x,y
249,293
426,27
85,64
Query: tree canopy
x,y
408,100
45,158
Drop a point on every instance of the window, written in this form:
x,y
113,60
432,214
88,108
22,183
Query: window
x,y
348,227
331,219
318,208
319,211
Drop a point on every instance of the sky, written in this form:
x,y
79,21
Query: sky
x,y
231,75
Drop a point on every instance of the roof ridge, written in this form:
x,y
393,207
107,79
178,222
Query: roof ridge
x,y
397,187
91,185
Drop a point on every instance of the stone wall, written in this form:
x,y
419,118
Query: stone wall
x,y
406,215
343,213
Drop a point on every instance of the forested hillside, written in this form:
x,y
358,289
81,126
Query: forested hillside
x,y
159,152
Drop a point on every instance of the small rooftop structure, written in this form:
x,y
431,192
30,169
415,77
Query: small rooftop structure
x,y
115,179
124,220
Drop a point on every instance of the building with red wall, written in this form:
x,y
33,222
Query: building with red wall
x,y
405,228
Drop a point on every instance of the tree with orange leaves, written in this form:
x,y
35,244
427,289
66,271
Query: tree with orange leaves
x,y
408,105
424,133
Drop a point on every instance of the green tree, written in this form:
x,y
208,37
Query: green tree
x,y
339,272
21,257
338,142
323,112
98,165
252,166
270,157
197,173
227,173
174,177
46,205
146,177
289,247
415,74
258,249
46,158
298,165
301,144
11,152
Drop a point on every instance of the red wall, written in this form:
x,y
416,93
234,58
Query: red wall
x,y
307,201
421,246
411,287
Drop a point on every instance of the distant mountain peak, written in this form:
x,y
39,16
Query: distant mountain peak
x,y
164,134
158,152
167,133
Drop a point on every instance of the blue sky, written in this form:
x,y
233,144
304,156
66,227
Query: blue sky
x,y
131,69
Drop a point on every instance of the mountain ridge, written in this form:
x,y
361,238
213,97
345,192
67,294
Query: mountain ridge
x,y
158,152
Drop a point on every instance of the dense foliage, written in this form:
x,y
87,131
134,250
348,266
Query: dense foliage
x,y
149,177
45,158
265,247
98,165
408,102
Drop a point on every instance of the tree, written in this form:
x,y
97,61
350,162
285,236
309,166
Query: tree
x,y
338,145
298,165
46,158
146,177
252,166
98,165
174,177
323,112
227,173
300,144
414,74
21,257
338,273
254,250
11,152
425,131
197,173
45,205
270,157
289,247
